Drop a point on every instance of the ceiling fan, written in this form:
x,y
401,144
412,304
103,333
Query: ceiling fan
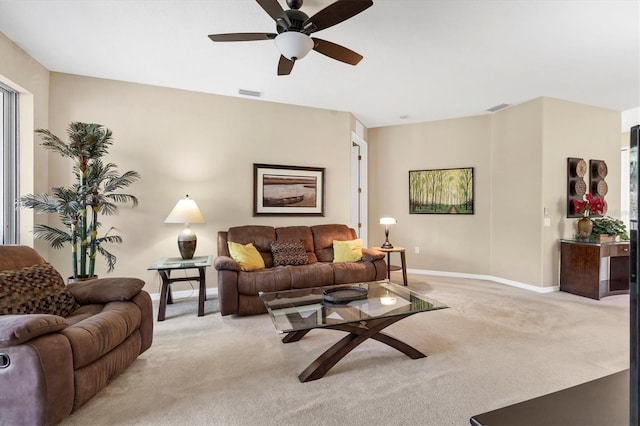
x,y
294,26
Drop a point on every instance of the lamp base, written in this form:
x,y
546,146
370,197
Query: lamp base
x,y
187,249
187,242
386,245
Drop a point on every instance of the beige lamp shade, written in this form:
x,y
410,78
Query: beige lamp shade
x,y
387,221
186,211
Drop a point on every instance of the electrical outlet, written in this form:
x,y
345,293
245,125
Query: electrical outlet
x,y
417,250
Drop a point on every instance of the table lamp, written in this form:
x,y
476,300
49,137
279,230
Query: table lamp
x,y
386,221
186,211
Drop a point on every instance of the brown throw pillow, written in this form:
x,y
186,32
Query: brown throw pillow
x,y
289,252
36,289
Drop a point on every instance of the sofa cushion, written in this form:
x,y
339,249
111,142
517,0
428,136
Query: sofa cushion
x,y
317,275
325,235
35,289
267,280
105,290
17,256
347,251
261,237
289,252
246,255
352,272
98,334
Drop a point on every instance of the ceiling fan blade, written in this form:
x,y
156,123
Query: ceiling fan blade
x,y
242,36
335,13
273,8
285,66
336,51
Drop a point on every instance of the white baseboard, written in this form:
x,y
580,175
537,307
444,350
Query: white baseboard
x,y
213,292
183,294
499,280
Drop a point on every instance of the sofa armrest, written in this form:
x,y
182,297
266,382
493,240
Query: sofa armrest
x,y
104,290
371,255
17,329
226,263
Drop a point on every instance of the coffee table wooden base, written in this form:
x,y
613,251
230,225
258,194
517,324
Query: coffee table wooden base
x,y
358,333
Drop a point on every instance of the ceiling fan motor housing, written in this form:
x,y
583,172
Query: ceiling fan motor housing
x,y
296,17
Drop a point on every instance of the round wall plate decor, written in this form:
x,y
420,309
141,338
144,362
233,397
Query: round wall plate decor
x,y
602,188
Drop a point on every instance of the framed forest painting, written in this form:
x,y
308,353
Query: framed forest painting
x,y
441,191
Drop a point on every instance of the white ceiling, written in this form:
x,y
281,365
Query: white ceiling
x,y
426,60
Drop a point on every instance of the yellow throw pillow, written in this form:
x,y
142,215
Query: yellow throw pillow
x,y
246,255
347,251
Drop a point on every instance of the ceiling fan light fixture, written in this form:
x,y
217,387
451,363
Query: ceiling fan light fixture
x,y
293,45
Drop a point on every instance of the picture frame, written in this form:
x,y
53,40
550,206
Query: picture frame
x,y
442,191
280,190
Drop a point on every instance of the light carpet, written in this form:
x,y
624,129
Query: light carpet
x,y
495,345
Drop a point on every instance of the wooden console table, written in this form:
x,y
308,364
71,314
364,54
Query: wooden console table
x,y
594,270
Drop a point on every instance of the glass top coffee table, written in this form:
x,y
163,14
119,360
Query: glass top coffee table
x,y
363,310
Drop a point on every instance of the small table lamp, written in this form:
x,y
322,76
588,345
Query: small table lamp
x,y
186,211
386,221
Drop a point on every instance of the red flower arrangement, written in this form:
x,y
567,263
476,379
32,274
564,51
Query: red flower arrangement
x,y
590,205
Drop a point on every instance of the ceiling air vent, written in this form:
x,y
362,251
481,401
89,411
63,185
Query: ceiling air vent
x,y
249,93
498,107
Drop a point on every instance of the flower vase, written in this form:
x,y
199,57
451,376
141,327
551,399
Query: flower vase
x,y
585,226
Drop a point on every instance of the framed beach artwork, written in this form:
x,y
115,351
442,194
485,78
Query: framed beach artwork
x,y
287,190
441,191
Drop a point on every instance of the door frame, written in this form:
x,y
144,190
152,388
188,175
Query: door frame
x,y
359,187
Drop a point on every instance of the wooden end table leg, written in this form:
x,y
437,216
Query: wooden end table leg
x,y
404,268
388,265
203,292
163,295
169,292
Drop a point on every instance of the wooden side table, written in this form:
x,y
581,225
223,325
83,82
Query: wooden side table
x,y
165,265
390,267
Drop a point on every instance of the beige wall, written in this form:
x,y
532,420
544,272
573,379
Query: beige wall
x,y
199,144
516,192
519,155
582,131
31,80
204,145
446,242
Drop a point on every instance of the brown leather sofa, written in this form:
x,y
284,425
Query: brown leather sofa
x,y
49,364
238,290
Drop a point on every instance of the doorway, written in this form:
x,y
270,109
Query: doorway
x,y
359,213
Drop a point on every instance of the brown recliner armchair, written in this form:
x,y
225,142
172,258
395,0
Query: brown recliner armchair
x,y
60,345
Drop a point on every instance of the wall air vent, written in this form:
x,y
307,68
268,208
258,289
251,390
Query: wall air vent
x,y
498,107
250,93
